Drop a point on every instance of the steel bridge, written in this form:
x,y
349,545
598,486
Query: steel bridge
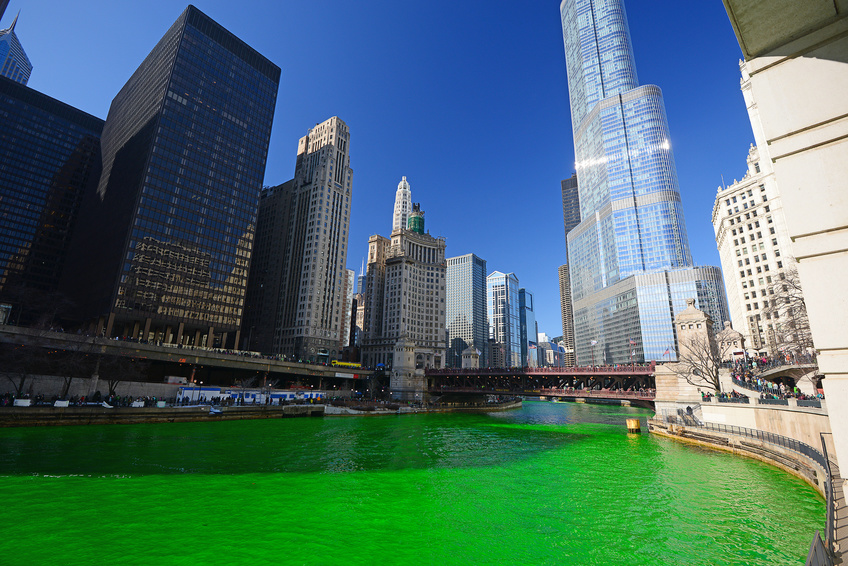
x,y
603,383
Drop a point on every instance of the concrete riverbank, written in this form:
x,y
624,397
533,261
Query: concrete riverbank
x,y
96,414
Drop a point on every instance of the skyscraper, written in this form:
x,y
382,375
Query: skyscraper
x,y
312,301
165,240
465,301
570,219
262,299
405,300
567,316
629,261
528,330
403,206
504,319
14,62
40,196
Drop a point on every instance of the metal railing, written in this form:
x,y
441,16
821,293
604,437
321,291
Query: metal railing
x,y
818,555
771,438
733,400
767,401
809,403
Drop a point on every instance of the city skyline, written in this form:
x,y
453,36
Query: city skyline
x,y
503,97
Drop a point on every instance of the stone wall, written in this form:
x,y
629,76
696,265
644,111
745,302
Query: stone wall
x,y
801,423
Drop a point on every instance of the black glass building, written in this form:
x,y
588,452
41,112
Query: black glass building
x,y
49,154
166,237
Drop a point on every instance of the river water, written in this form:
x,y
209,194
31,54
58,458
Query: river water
x,y
551,483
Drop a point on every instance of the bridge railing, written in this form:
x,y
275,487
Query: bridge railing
x,y
600,393
587,370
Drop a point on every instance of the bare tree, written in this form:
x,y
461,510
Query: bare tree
x,y
787,311
699,361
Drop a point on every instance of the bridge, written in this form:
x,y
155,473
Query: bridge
x,y
618,383
210,365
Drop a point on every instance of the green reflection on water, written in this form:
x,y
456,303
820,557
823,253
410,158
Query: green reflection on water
x,y
549,484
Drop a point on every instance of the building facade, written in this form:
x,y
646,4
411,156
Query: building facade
x,y
567,315
528,329
403,206
14,63
632,229
754,245
312,304
266,268
405,301
467,322
570,220
504,319
40,197
164,247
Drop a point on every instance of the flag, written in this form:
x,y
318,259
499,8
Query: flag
x,y
666,352
632,342
532,345
593,342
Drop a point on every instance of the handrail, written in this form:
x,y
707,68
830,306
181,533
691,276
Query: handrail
x,y
769,437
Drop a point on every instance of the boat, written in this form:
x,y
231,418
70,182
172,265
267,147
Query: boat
x,y
215,411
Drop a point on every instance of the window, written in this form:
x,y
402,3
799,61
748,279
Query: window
x,y
756,168
779,264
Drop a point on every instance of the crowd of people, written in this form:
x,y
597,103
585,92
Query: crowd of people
x,y
745,373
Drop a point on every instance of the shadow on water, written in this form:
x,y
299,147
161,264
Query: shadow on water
x,y
330,445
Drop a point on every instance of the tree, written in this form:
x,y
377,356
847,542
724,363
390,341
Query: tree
x,y
700,360
787,310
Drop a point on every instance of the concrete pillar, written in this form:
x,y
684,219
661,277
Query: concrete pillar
x,y
169,333
126,329
109,325
98,330
146,334
180,329
135,330
210,337
196,339
224,340
236,342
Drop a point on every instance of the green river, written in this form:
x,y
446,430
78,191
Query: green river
x,y
551,483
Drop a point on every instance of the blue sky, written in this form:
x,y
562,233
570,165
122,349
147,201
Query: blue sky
x,y
468,99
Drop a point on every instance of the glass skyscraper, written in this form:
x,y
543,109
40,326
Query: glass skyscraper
x,y
529,336
49,154
504,320
166,238
632,229
14,62
466,318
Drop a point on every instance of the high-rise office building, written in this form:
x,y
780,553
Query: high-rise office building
x,y
262,299
164,244
466,318
3,5
14,63
528,329
629,261
49,155
405,298
570,220
347,297
567,316
504,319
312,300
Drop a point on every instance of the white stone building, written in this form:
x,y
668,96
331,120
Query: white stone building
x,y
755,249
405,301
312,303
